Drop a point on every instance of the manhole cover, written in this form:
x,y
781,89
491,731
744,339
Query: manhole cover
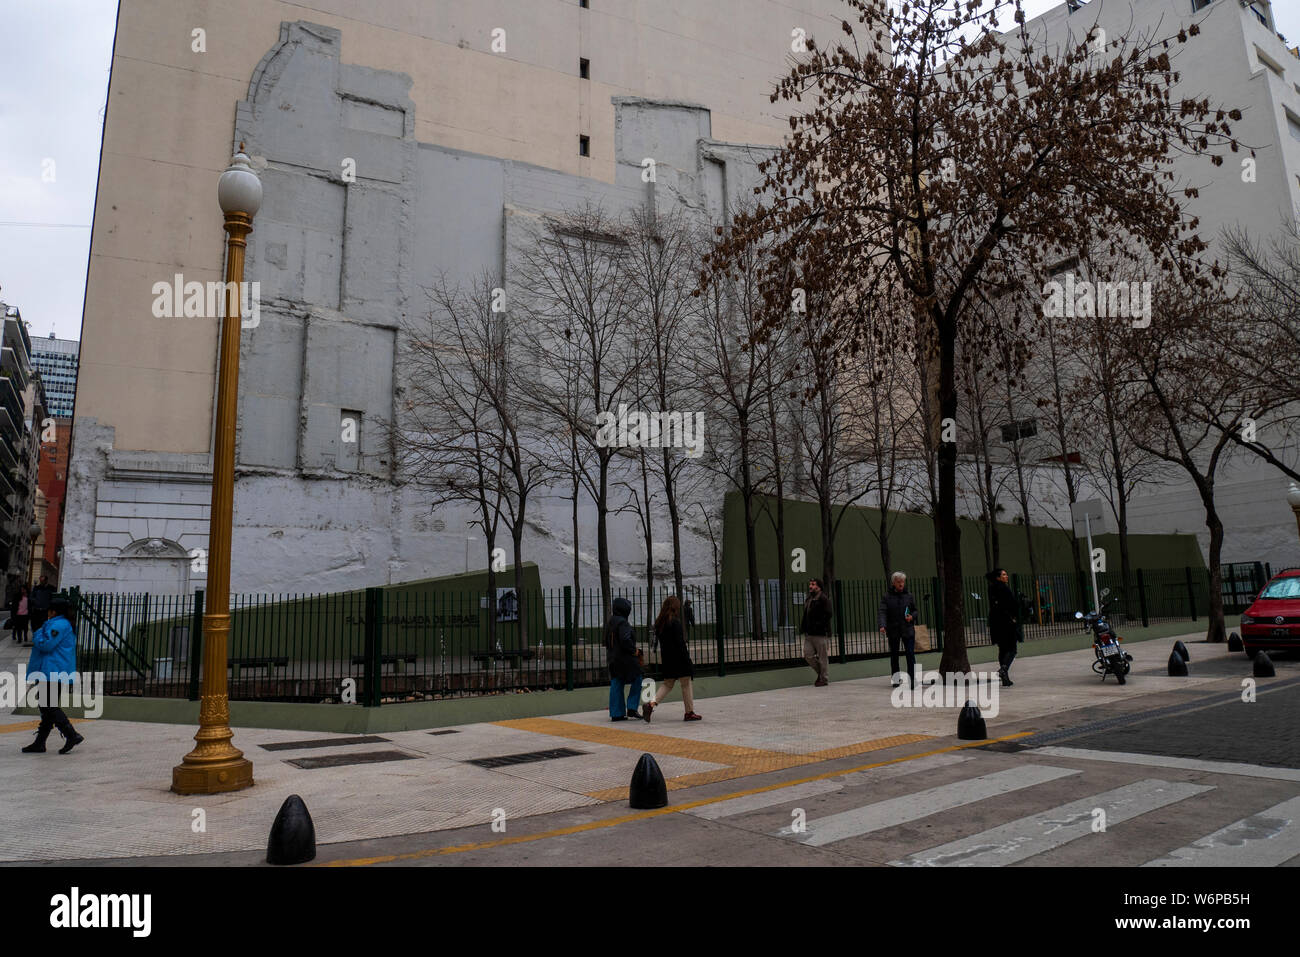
x,y
526,758
358,757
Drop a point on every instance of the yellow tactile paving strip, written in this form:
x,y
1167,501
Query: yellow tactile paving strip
x,y
739,761
30,725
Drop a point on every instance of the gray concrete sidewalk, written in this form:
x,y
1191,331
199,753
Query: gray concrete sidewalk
x,y
110,798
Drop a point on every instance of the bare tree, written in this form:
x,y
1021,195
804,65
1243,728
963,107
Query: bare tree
x,y
1179,397
732,382
938,157
662,261
451,438
573,301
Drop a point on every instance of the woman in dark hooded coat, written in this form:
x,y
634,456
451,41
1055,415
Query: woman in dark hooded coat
x,y
1004,624
624,665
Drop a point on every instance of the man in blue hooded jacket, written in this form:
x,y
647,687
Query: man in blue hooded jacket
x,y
54,663
624,666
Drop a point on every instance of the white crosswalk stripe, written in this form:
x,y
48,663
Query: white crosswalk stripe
x,y
1167,761
797,792
1266,839
1033,835
912,807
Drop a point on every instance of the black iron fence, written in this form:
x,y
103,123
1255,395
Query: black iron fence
x,y
387,645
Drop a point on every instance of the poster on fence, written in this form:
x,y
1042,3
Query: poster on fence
x,y
507,605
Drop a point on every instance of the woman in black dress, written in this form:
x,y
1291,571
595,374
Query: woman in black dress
x,y
676,658
1004,625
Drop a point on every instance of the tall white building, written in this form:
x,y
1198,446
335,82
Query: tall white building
x,y
1237,60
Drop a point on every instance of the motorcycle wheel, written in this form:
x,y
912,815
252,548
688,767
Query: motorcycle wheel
x,y
1119,678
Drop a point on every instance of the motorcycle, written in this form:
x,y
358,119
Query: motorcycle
x,y
1111,659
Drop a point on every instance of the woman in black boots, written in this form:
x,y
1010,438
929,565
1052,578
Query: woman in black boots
x,y
1004,625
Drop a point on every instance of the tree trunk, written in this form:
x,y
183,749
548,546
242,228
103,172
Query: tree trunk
x,y
954,659
517,537
1216,629
602,538
674,520
491,593
784,609
886,560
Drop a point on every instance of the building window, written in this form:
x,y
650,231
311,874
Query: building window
x,y
1273,65
1200,4
583,4
1019,430
349,455
584,145
1293,124
584,69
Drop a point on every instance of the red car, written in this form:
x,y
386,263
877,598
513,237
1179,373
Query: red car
x,y
1273,620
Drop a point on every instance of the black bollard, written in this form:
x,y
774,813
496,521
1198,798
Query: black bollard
x,y
1234,642
1181,650
1264,666
1177,666
970,724
293,836
648,790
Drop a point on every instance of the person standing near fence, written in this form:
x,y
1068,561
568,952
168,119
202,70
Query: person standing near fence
x,y
624,663
53,663
22,614
40,600
676,662
896,619
1004,621
816,630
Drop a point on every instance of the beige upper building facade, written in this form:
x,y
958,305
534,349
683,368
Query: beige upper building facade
x,y
171,111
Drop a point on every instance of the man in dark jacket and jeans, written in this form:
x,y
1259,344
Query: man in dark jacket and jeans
x,y
624,667
897,620
39,602
816,629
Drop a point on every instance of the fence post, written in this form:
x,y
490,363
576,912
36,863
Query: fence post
x,y
374,646
196,644
568,637
720,629
1191,592
839,617
1142,599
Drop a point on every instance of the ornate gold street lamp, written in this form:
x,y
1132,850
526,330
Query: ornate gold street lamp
x,y
216,764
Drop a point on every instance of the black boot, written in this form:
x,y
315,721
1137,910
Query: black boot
x,y
43,732
70,737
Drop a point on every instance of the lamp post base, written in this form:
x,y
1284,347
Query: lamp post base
x,y
213,777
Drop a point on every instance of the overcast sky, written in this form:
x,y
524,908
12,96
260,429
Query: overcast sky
x,y
53,86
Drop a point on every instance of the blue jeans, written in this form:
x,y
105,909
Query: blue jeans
x,y
616,708
909,647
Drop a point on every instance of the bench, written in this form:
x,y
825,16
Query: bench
x,y
235,664
397,661
485,658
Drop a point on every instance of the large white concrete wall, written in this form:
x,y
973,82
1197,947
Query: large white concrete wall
x,y
342,265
